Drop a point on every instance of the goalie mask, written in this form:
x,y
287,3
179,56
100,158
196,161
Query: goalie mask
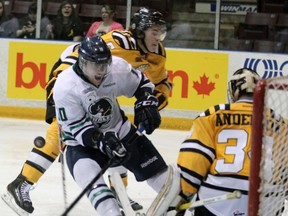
x,y
145,18
94,59
242,82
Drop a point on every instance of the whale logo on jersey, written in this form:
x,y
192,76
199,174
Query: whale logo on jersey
x,y
100,112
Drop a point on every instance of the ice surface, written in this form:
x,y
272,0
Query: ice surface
x,y
16,141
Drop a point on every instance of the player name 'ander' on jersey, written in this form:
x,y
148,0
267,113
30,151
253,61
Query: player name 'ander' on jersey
x,y
233,119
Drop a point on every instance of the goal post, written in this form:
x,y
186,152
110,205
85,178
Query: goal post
x,y
268,181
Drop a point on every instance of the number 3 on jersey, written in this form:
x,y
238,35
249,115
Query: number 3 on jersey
x,y
234,152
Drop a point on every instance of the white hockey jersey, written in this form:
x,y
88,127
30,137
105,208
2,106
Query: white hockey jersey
x,y
80,105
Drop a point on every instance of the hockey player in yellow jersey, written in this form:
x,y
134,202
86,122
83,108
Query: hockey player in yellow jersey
x,y
42,155
214,158
143,49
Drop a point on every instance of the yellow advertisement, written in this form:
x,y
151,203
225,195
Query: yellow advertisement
x,y
29,67
199,79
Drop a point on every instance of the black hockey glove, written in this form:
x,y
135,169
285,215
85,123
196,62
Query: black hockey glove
x,y
147,114
111,146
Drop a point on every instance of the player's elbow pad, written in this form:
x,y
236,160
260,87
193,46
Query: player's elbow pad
x,y
162,99
90,137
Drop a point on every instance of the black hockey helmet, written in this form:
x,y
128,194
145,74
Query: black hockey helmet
x,y
94,49
144,18
243,81
94,59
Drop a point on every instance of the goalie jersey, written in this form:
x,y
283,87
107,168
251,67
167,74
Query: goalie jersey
x,y
215,157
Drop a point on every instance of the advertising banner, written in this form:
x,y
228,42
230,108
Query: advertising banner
x,y
267,65
226,8
199,79
29,65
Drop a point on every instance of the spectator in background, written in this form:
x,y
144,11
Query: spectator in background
x,y
8,24
27,24
107,24
3,16
66,26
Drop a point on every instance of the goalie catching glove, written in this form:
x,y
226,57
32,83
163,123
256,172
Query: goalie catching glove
x,y
147,114
111,146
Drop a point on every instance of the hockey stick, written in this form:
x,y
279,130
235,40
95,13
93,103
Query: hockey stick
x,y
62,161
190,206
121,193
102,171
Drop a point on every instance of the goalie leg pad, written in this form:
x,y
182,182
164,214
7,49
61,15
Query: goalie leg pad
x,y
169,191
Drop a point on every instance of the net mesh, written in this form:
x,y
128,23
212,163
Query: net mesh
x,y
274,160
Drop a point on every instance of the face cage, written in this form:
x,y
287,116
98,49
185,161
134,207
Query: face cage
x,y
230,93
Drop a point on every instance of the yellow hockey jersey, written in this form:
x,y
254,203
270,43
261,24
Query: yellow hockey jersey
x,y
218,145
124,45
215,157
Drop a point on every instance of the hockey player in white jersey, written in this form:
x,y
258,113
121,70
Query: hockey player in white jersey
x,y
95,129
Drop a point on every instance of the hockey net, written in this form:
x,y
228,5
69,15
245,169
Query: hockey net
x,y
268,187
